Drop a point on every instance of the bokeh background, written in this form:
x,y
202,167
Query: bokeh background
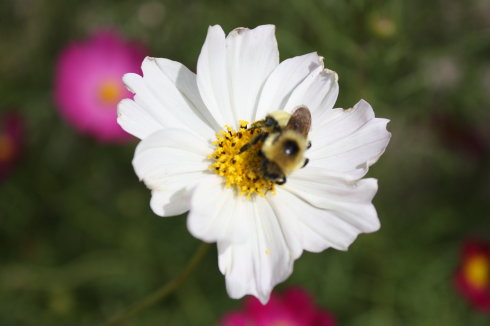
x,y
78,241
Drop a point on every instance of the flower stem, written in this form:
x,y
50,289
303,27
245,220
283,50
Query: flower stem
x,y
162,292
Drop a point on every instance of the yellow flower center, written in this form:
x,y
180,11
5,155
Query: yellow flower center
x,y
6,148
241,170
477,271
110,92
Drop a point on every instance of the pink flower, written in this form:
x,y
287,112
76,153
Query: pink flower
x,y
11,140
473,275
458,136
293,308
88,83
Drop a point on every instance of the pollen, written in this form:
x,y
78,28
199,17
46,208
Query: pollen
x,y
240,170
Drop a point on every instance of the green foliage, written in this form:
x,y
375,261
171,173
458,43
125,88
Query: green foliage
x,y
78,241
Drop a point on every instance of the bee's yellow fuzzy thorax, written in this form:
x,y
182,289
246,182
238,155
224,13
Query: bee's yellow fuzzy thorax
x,y
241,170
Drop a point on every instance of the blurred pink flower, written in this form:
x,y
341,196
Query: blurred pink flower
x,y
294,307
11,141
473,275
459,136
88,83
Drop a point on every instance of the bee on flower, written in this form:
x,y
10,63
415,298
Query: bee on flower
x,y
258,177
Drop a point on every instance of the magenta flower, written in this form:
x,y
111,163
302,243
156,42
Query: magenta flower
x,y
88,83
11,141
472,278
294,307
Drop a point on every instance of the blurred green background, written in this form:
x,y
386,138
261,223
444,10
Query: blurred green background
x,y
78,241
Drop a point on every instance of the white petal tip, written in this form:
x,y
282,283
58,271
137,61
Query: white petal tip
x,y
238,31
331,73
363,102
128,79
215,28
120,108
264,300
262,28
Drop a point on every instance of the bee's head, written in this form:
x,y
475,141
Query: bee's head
x,y
286,149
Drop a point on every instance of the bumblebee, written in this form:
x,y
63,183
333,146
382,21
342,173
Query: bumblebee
x,y
284,142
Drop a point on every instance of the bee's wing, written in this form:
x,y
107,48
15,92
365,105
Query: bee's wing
x,y
300,121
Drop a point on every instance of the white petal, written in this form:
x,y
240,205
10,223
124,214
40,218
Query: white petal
x,y
172,202
283,80
258,264
136,120
170,162
212,76
185,81
251,56
318,91
217,213
231,71
162,100
345,197
171,196
349,141
310,228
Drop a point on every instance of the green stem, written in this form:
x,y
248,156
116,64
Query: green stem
x,y
162,292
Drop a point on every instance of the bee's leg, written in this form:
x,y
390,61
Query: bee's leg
x,y
257,124
281,180
245,147
309,145
267,123
272,123
306,162
255,140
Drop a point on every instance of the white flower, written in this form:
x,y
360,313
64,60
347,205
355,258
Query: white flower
x,y
177,115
